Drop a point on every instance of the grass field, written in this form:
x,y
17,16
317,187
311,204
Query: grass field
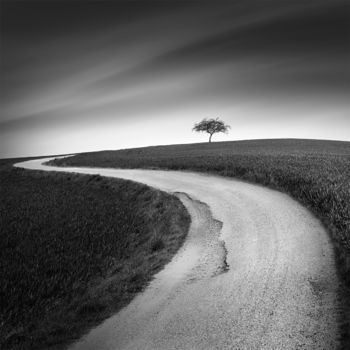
x,y
315,172
75,249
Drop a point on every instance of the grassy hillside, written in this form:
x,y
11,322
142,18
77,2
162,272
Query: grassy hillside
x,y
75,249
316,173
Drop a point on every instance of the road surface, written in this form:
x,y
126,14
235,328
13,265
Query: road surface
x,y
256,271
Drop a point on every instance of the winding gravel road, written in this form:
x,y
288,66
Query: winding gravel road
x,y
256,271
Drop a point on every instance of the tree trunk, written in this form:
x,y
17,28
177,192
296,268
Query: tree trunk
x,y
210,137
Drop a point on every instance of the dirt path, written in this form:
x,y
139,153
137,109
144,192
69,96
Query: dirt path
x,y
256,272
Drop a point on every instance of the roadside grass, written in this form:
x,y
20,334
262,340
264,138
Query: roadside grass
x,y
75,249
315,172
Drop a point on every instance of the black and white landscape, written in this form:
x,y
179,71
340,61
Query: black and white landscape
x,y
122,227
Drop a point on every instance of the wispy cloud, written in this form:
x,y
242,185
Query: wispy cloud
x,y
132,63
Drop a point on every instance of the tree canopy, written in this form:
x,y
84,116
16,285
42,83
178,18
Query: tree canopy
x,y
211,126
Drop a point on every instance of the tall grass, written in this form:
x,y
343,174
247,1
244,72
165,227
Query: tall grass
x,y
75,249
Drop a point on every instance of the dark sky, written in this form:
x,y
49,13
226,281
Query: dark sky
x,y
89,75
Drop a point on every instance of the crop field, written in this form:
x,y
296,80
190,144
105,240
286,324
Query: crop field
x,y
75,249
316,173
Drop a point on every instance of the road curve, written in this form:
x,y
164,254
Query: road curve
x,y
257,271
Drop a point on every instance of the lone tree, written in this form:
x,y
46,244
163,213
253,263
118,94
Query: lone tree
x,y
211,126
